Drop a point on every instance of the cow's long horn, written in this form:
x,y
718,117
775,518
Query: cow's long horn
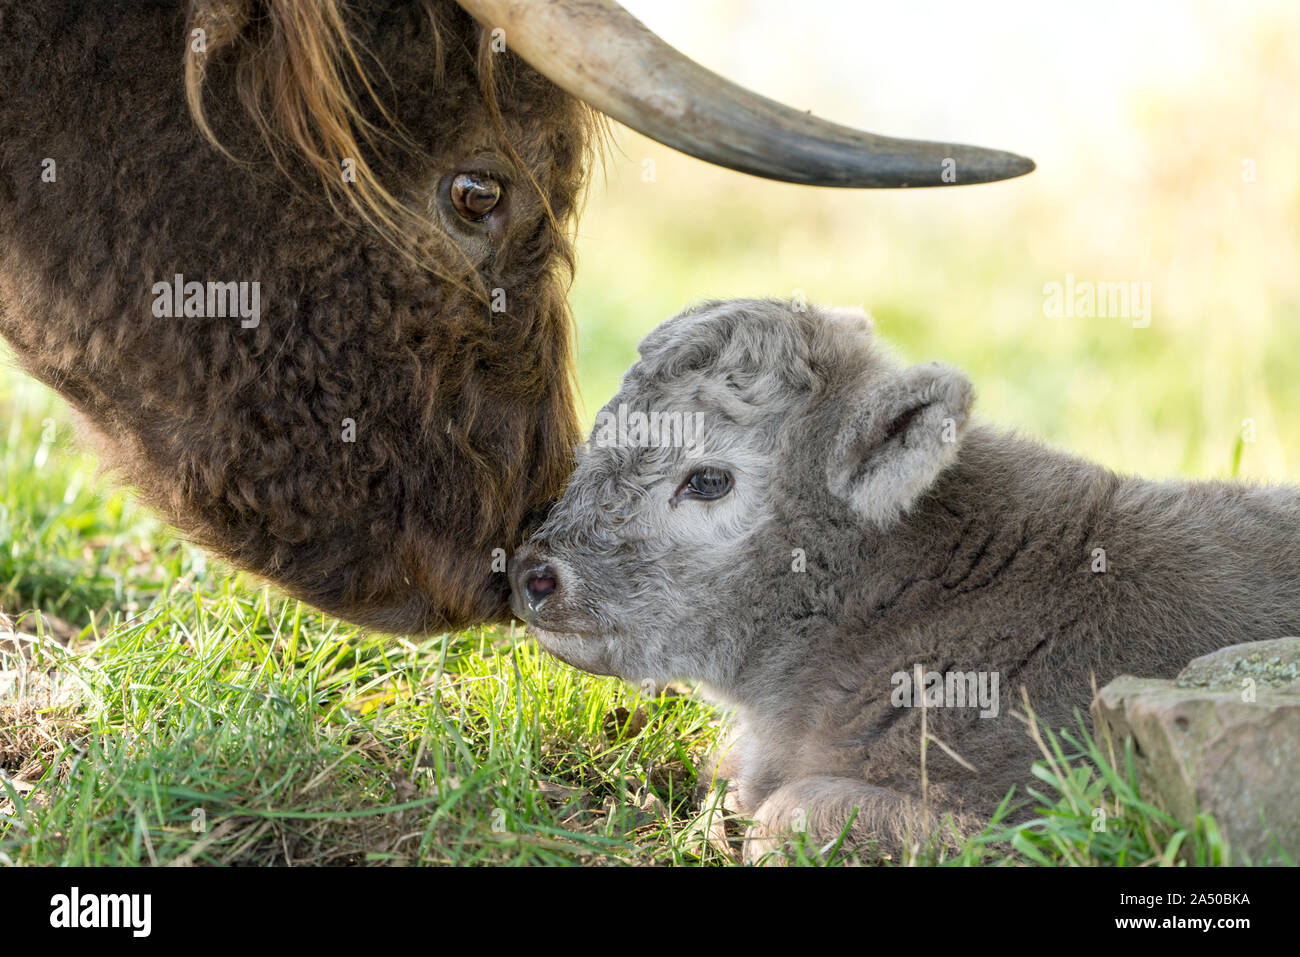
x,y
600,53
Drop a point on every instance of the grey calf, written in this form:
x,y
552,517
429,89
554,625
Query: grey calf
x,y
838,521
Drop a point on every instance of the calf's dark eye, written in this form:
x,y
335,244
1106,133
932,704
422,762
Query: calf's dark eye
x,y
706,483
474,195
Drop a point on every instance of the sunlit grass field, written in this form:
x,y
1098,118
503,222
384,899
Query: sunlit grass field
x,y
156,708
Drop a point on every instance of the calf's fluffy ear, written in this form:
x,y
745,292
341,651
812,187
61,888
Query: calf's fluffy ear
x,y
898,433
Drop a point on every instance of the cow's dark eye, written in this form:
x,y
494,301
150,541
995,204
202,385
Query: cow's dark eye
x,y
474,195
706,483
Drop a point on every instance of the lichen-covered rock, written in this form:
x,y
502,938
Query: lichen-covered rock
x,y
1223,737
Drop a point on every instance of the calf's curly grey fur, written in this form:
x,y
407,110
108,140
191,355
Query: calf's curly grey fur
x,y
869,528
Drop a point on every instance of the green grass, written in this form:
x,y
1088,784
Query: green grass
x,y
226,726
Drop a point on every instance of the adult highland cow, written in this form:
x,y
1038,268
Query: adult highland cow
x,y
301,265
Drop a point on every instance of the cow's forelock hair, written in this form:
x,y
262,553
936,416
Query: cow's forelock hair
x,y
317,95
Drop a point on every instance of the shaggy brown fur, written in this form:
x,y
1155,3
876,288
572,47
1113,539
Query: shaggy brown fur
x,y
372,309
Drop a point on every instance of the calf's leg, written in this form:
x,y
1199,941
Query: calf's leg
x,y
822,807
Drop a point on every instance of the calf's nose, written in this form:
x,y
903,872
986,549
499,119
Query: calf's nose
x,y
539,583
531,583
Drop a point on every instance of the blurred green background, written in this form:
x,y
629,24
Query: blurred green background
x,y
1168,142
